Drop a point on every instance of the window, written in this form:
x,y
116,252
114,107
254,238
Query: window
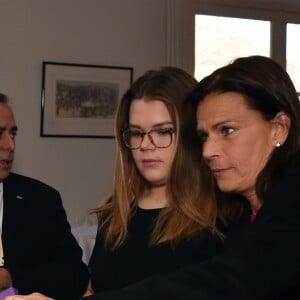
x,y
292,53
222,32
218,40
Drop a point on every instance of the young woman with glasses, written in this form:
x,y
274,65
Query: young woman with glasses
x,y
162,212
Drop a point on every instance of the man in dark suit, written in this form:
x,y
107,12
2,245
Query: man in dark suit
x,y
39,253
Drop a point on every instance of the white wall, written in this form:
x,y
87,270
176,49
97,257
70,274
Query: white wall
x,y
100,32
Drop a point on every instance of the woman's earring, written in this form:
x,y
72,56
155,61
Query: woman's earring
x,y
278,145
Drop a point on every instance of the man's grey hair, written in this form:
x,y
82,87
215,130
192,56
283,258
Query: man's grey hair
x,y
3,99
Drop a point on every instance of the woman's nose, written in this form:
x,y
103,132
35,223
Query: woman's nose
x,y
147,142
210,148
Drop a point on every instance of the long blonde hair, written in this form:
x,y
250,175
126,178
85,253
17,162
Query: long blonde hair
x,y
192,205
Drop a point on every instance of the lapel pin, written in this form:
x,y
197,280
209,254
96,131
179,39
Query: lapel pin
x,y
19,197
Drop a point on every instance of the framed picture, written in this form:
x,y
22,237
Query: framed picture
x,y
81,100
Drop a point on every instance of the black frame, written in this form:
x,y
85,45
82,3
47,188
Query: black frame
x,y
82,79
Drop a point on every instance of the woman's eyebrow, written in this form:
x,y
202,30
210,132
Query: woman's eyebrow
x,y
153,126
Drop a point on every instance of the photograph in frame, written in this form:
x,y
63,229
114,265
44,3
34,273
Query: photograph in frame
x,y
80,100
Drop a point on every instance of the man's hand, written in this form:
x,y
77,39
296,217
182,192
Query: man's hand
x,y
34,296
5,279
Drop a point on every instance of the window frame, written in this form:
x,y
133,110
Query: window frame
x,y
181,25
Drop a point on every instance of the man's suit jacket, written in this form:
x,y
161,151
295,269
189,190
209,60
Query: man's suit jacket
x,y
40,252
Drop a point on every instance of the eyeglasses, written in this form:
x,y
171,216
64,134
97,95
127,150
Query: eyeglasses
x,y
160,138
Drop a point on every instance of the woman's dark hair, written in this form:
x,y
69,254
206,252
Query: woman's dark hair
x,y
267,88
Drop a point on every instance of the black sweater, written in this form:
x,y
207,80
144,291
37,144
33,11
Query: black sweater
x,y
135,260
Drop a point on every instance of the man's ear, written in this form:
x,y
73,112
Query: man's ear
x,y
281,127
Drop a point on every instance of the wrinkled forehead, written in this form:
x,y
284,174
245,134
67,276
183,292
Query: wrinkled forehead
x,y
221,107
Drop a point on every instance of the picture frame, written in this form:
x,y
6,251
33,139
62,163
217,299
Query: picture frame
x,y
80,100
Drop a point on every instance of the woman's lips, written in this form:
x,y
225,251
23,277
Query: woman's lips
x,y
150,162
219,173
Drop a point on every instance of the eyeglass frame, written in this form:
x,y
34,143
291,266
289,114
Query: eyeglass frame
x,y
170,131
